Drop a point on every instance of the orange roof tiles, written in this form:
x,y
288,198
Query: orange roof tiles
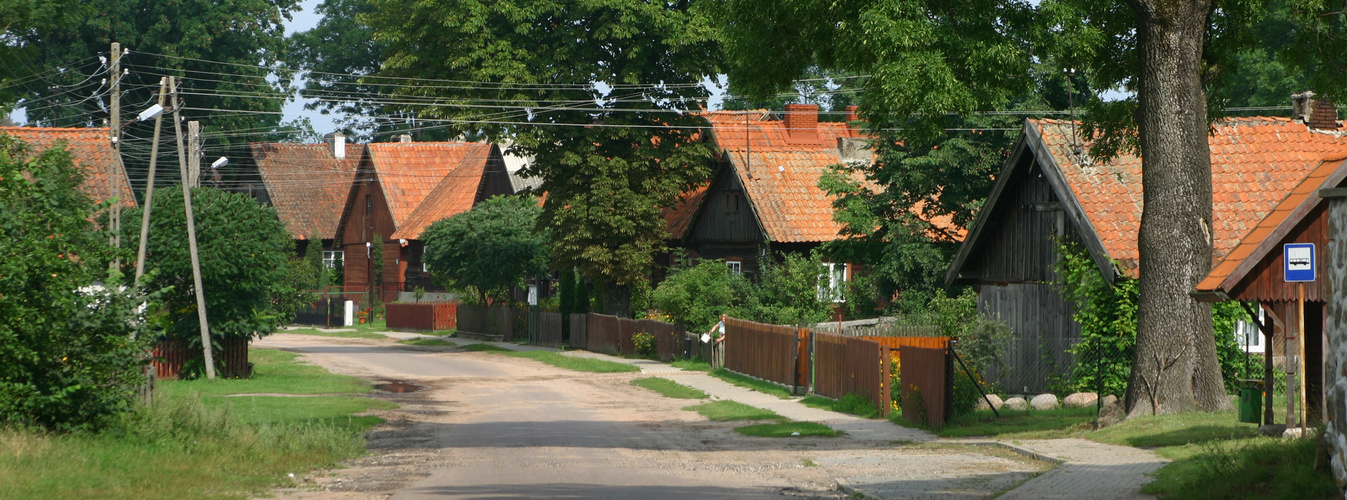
x,y
1254,162
428,181
1272,228
306,184
90,148
780,177
678,219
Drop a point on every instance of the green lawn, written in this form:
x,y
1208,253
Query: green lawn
x,y
198,442
751,383
556,359
669,388
855,404
695,365
722,411
366,331
426,341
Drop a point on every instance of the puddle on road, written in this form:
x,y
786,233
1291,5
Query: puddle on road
x,y
398,386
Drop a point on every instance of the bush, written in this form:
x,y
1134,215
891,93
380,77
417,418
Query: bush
x,y
71,350
787,293
645,345
696,296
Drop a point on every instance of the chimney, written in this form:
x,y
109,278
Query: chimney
x,y
852,114
405,138
802,123
336,143
853,151
1323,115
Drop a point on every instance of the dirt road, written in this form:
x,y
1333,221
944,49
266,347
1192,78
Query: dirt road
x,y
491,426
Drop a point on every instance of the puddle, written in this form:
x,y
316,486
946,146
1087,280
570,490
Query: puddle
x,y
398,386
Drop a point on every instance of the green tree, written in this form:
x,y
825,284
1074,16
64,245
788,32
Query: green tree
x,y
490,248
377,263
696,296
787,292
591,90
250,286
71,351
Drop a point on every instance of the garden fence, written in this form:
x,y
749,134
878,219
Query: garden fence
x,y
879,327
614,335
493,320
579,330
546,329
851,365
768,352
170,357
927,382
425,316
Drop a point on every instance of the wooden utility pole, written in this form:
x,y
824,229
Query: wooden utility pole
x,y
149,182
191,240
194,153
115,128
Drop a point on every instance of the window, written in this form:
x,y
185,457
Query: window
x,y
830,284
1247,334
735,267
731,203
331,259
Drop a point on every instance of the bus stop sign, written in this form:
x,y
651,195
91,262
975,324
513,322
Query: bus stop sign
x,y
1299,262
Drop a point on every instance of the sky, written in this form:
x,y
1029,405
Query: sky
x,y
305,19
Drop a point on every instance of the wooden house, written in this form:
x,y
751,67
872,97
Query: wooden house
x,y
1254,272
91,150
1050,191
400,189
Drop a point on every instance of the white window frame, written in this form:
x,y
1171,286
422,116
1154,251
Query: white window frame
x,y
830,284
332,257
1245,328
735,266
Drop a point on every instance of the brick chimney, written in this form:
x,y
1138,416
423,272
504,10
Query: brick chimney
x,y
1318,114
336,143
852,114
802,123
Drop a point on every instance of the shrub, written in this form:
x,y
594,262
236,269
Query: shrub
x,y
645,345
787,293
696,296
490,248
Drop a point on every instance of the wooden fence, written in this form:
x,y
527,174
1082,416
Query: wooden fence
x,y
426,316
926,371
547,329
895,344
768,352
614,335
496,320
579,331
846,365
171,355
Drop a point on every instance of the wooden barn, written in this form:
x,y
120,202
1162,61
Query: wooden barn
x,y
1050,190
1254,273
399,190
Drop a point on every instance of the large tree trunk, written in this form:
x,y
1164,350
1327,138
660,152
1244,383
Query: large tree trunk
x,y
1175,367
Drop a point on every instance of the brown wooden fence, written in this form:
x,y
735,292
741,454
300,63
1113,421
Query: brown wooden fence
x,y
579,331
768,352
547,329
231,359
602,333
895,344
426,316
496,320
668,338
926,371
614,335
852,365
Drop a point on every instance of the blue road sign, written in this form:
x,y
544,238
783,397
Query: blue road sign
x,y
1299,260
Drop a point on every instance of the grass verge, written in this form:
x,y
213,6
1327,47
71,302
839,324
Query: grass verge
x,y
669,388
556,359
365,331
692,365
196,441
426,341
855,404
788,429
748,382
723,411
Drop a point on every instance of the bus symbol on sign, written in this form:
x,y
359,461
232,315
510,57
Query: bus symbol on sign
x,y
1299,259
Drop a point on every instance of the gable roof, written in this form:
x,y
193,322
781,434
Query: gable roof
x,y
91,150
1255,161
455,193
780,175
306,184
678,219
1266,237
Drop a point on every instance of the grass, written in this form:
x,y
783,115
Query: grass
x,y
855,404
366,331
426,341
692,365
748,382
724,411
788,429
1031,424
197,442
556,359
669,388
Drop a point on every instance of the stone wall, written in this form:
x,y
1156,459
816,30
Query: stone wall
x,y
1334,270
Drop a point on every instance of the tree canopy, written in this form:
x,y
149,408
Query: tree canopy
x,y
490,248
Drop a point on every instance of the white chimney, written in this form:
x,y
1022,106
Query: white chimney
x,y
336,143
405,138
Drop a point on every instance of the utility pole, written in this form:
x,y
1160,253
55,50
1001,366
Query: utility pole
x,y
191,240
194,153
115,127
149,183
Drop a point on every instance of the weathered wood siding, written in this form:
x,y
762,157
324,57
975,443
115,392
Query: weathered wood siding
x,y
368,215
1267,280
1021,246
725,215
1044,331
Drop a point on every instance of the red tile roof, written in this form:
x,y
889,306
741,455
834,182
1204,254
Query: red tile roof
x,y
428,181
678,219
1265,237
306,184
780,176
91,149
1255,162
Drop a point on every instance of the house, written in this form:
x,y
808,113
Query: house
x,y
1254,272
400,189
307,184
92,150
764,195
1050,190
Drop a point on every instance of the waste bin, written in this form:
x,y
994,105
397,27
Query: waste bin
x,y
1251,401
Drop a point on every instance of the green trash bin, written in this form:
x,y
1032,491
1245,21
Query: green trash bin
x,y
1251,401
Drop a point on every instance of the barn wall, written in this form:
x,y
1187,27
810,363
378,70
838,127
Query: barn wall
x,y
361,225
725,215
1020,246
1044,331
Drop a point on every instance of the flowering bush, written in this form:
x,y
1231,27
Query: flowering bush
x,y
645,344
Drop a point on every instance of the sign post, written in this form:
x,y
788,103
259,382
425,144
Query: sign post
x,y
1300,264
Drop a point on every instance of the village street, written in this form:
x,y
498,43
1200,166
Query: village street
x,y
502,427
